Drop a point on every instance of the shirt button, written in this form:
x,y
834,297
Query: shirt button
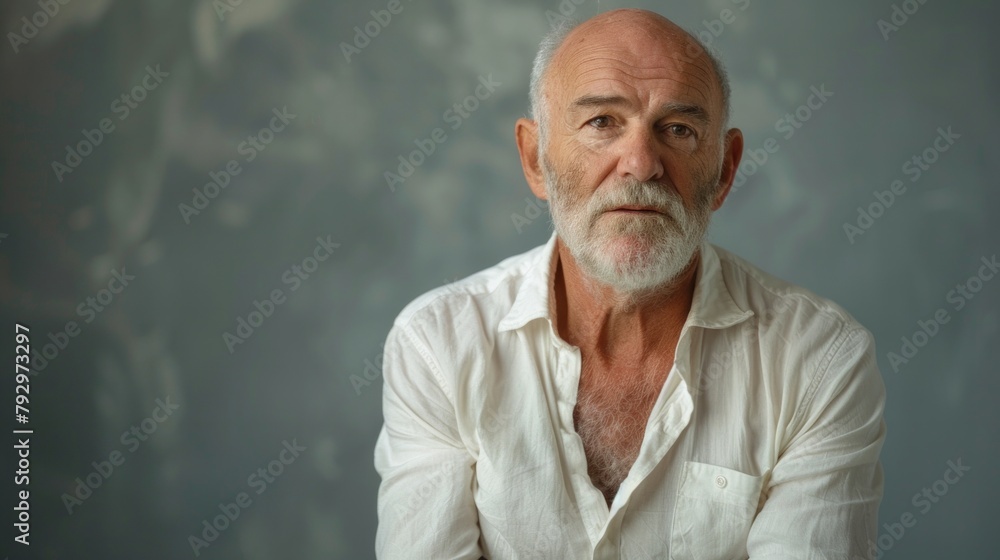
x,y
720,481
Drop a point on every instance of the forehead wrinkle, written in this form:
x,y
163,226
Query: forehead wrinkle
x,y
614,53
684,67
696,70
673,41
706,99
629,85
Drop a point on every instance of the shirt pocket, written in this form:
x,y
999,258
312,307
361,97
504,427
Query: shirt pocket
x,y
714,510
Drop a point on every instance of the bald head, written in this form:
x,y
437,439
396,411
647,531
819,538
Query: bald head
x,y
640,33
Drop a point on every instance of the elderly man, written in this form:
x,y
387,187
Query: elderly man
x,y
628,390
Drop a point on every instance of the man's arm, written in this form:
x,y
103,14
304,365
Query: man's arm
x,y
824,490
425,501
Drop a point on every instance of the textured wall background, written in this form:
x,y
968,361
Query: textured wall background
x,y
307,373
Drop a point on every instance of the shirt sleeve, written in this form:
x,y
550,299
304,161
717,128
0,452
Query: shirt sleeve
x,y
824,491
426,507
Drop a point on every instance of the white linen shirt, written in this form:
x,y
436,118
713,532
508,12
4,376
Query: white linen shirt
x,y
763,443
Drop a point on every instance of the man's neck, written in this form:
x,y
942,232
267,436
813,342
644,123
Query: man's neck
x,y
616,327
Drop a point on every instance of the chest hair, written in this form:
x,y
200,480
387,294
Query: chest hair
x,y
613,406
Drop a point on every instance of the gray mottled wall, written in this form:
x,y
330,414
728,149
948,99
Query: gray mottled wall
x,y
306,374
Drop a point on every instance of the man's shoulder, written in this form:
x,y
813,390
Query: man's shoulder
x,y
490,292
776,301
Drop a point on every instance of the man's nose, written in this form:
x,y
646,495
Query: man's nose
x,y
641,156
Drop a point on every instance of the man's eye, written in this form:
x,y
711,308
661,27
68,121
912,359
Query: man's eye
x,y
680,130
600,122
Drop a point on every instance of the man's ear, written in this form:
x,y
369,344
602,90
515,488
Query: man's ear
x,y
526,136
733,153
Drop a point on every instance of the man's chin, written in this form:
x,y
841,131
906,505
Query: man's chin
x,y
630,249
635,263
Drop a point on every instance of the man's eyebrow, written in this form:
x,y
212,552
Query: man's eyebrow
x,y
598,101
696,112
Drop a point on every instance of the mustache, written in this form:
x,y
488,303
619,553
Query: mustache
x,y
662,198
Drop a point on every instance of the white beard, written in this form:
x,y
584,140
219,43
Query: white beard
x,y
633,254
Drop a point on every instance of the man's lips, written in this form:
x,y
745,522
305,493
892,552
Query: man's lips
x,y
636,209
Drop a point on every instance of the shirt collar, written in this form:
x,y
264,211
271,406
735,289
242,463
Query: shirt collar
x,y
532,301
712,307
